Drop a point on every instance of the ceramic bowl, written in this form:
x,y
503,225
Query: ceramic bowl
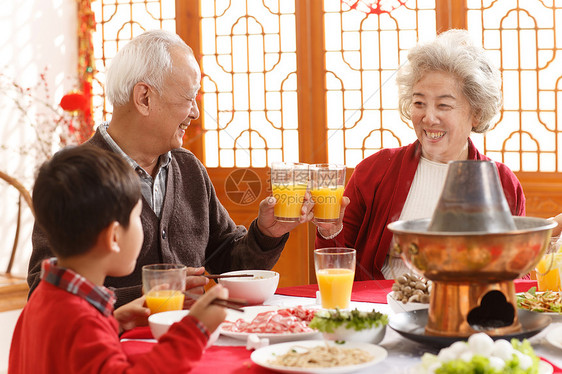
x,y
160,323
256,289
398,306
372,335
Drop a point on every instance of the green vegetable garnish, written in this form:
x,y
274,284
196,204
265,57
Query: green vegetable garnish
x,y
329,320
547,301
481,365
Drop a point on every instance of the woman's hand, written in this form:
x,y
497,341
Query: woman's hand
x,y
328,229
558,219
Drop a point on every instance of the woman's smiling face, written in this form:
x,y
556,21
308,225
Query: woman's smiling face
x,y
442,117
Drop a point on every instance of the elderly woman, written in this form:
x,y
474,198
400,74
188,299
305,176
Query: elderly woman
x,y
448,89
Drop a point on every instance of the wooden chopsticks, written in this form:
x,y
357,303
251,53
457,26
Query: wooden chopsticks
x,y
234,304
217,276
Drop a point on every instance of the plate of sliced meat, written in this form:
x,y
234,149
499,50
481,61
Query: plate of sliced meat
x,y
278,324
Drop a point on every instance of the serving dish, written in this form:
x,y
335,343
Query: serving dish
x,y
556,317
263,356
250,313
398,306
412,326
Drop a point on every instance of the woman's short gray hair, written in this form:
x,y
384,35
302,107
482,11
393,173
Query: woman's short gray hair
x,y
146,58
453,52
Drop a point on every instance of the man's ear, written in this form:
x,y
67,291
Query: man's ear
x,y
109,237
141,97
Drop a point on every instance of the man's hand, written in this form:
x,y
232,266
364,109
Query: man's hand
x,y
328,229
195,283
270,226
132,314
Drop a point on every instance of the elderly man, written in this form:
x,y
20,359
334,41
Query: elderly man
x,y
152,83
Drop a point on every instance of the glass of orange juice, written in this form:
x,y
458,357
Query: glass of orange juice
x,y
289,182
163,286
335,270
327,182
549,267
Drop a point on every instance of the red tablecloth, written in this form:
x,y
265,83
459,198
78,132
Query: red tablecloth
x,y
216,359
375,291
236,360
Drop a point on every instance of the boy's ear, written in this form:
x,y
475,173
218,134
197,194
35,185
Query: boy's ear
x,y
109,237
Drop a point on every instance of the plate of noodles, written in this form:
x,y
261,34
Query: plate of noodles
x,y
318,356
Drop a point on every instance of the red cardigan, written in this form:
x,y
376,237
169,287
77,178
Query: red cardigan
x,y
378,189
58,332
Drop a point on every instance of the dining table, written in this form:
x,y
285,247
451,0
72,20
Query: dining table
x,y
230,356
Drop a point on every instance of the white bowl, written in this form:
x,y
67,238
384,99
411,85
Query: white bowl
x,y
373,335
160,323
398,306
255,290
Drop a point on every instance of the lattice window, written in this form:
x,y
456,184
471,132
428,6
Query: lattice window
x,y
524,37
249,84
249,95
363,53
118,21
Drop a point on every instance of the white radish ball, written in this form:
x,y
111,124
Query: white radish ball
x,y
525,361
496,363
503,349
466,356
446,354
480,344
459,347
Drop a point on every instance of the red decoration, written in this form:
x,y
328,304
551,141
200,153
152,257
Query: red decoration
x,y
374,6
80,102
74,101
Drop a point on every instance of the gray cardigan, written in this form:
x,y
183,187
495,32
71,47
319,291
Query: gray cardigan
x,y
195,229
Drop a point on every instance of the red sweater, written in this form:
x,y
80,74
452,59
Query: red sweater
x,y
58,332
378,190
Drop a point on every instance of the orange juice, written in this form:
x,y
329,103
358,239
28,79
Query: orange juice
x,y
549,280
164,300
327,202
289,200
335,287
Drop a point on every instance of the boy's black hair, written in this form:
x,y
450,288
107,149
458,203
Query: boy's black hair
x,y
79,192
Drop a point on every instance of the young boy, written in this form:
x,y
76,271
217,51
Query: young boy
x,y
88,202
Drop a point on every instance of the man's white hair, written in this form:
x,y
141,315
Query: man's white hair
x,y
146,58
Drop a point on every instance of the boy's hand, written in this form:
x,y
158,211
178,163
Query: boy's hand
x,y
132,314
208,314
